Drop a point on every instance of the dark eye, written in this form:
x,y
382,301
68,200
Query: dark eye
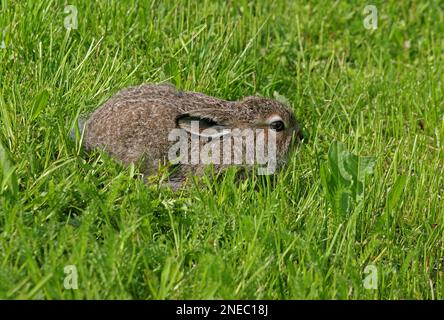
x,y
277,125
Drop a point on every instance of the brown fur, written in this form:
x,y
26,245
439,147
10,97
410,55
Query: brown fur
x,y
135,123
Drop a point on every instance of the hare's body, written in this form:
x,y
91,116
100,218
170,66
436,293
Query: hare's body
x,y
135,124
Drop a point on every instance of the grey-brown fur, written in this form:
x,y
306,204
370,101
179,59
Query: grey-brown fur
x,y
134,124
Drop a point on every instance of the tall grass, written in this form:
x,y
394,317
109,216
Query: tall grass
x,y
378,92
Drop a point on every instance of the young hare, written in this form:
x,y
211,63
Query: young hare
x,y
142,124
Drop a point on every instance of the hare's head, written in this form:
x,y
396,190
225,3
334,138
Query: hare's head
x,y
263,113
261,117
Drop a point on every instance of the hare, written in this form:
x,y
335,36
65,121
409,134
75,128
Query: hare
x,y
141,125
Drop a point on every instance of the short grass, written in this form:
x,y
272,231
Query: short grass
x,y
379,92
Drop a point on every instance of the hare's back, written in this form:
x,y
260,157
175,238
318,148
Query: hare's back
x,y
147,91
130,128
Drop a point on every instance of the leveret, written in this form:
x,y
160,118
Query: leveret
x,y
138,125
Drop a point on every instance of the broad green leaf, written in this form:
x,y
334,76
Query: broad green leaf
x,y
343,198
343,177
365,167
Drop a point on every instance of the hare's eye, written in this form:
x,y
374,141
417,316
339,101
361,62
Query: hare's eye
x,y
277,125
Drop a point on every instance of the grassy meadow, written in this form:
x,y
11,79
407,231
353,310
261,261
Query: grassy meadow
x,y
77,226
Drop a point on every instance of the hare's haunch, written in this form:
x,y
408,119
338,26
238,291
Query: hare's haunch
x,y
159,124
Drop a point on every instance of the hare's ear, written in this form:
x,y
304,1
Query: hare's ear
x,y
203,123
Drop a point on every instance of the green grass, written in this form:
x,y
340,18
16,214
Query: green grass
x,y
280,239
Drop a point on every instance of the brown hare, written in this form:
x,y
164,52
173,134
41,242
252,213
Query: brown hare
x,y
143,124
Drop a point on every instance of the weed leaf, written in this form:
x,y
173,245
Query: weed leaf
x,y
343,177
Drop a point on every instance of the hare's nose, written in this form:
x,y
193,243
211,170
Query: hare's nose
x,y
298,132
300,135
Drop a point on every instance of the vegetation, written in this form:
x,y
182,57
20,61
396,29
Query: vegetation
x,y
366,96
